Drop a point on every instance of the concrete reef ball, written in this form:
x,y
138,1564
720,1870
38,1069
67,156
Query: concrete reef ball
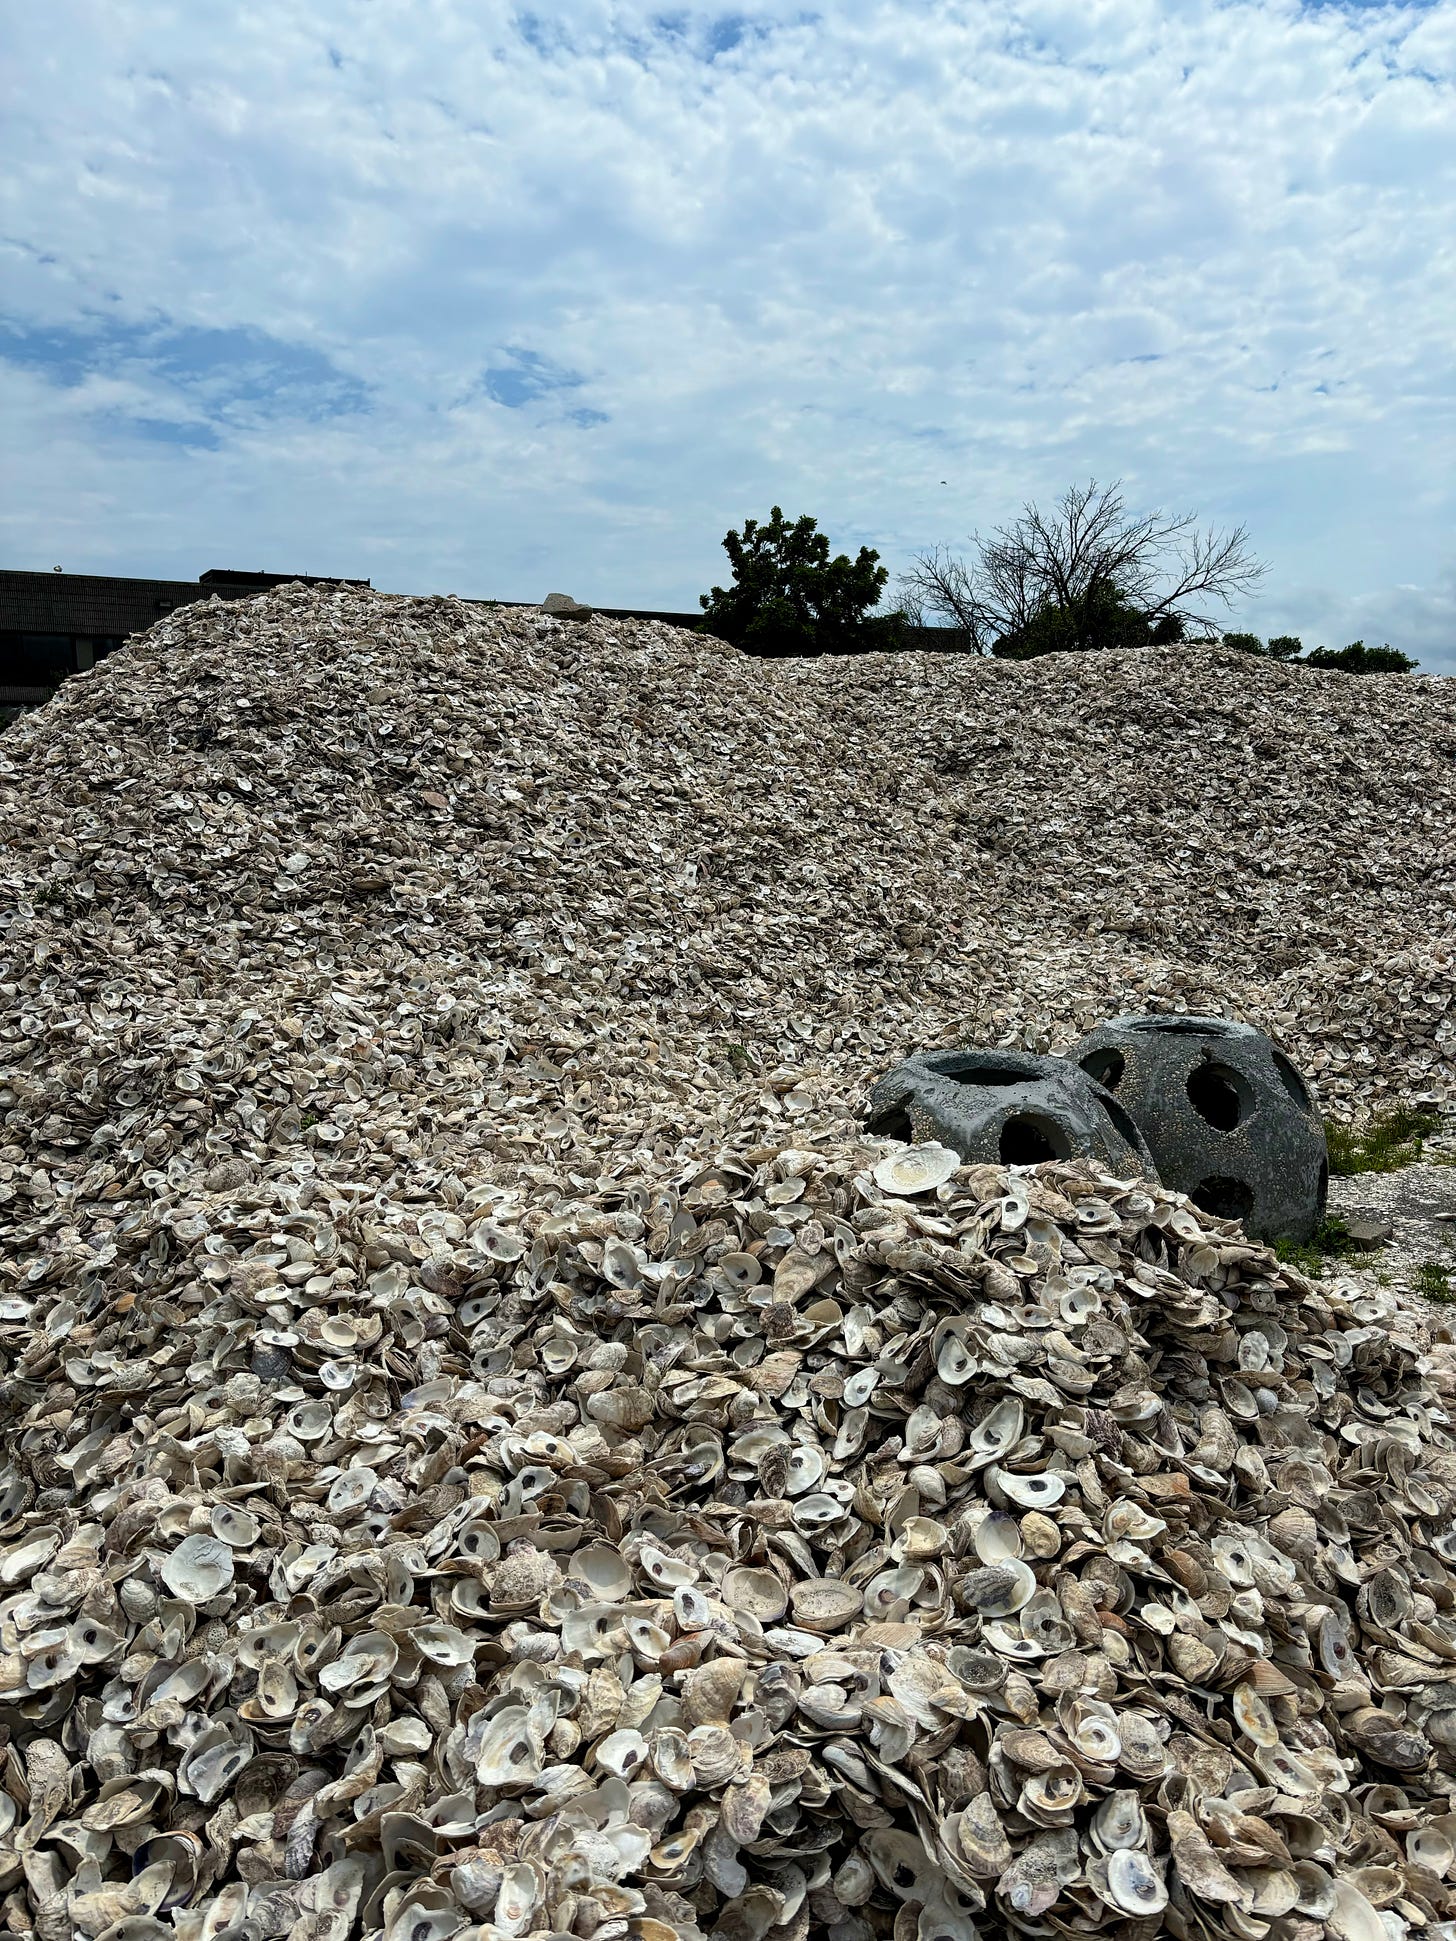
x,y
1227,1117
1009,1106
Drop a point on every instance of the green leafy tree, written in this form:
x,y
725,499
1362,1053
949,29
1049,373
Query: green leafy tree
x,y
1357,658
1282,647
789,597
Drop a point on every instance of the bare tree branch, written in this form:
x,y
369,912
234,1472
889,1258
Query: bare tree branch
x,y
1213,566
912,609
945,589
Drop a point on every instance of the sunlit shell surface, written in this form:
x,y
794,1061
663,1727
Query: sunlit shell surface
x,y
488,1448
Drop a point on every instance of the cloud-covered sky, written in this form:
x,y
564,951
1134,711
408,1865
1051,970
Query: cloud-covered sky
x,y
476,300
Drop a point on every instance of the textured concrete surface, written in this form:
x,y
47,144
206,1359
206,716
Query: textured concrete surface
x,y
1011,1106
1225,1114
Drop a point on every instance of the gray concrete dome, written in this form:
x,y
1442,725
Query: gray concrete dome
x,y
1010,1106
1228,1118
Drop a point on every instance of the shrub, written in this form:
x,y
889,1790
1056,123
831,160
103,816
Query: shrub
x,y
790,597
1281,647
1099,620
1357,658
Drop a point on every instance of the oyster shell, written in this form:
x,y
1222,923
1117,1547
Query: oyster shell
x,y
916,1169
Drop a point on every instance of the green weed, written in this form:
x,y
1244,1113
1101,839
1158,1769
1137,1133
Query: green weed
x,y
1330,1240
1385,1142
1434,1281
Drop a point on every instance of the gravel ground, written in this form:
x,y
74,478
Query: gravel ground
x,y
1418,1203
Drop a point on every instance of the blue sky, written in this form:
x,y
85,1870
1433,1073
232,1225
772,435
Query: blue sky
x,y
475,299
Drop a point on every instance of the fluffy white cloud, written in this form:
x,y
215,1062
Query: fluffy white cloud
x,y
478,300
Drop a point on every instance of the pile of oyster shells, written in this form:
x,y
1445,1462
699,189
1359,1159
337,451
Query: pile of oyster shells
x,y
488,1448
403,878
844,1542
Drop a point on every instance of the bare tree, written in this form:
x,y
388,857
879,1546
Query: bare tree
x,y
1088,559
945,590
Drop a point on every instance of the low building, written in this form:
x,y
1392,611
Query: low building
x,y
54,624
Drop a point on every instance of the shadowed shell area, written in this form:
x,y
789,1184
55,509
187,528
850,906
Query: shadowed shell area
x,y
488,1447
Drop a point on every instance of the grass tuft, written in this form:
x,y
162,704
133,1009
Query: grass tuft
x,y
1434,1281
1385,1143
1330,1240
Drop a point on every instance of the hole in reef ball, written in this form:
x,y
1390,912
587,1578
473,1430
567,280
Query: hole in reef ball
x,y
1184,1027
1225,1199
1217,1095
1290,1078
974,1074
1324,1187
1106,1066
1026,1139
1123,1120
894,1124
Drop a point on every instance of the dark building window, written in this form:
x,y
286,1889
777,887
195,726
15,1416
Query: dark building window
x,y
44,657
